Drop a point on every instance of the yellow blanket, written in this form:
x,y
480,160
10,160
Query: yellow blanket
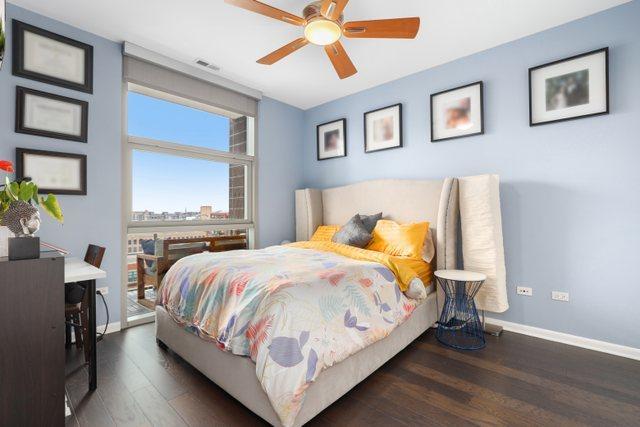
x,y
404,268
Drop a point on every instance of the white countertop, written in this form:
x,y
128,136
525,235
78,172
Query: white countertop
x,y
76,270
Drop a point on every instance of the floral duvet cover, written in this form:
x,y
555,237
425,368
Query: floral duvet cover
x,y
294,311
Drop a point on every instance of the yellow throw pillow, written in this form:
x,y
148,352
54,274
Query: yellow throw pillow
x,y
324,233
396,239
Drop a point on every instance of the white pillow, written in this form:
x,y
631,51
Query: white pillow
x,y
416,290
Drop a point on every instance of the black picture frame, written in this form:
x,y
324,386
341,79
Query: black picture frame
x,y
3,30
20,127
604,50
20,153
480,83
19,29
366,135
344,127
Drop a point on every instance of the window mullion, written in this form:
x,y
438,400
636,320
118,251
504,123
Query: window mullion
x,y
148,144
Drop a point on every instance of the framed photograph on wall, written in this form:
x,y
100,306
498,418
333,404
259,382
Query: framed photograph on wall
x,y
458,112
383,129
53,172
51,58
571,88
3,31
331,139
54,116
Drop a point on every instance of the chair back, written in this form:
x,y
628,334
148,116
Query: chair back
x,y
94,255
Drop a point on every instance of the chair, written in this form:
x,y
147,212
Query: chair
x,y
76,316
152,265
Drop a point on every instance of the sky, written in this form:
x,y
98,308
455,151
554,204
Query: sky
x,y
168,183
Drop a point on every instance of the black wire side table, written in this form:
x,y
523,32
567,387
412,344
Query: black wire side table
x,y
459,325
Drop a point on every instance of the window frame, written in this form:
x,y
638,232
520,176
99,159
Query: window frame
x,y
249,161
129,143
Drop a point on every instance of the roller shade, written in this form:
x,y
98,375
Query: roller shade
x,y
179,84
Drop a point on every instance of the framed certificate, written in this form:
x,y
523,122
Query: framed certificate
x,y
53,172
54,116
51,58
3,28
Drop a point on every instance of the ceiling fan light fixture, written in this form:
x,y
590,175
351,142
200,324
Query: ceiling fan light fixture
x,y
322,32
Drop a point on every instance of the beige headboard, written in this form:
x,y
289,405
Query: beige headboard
x,y
435,201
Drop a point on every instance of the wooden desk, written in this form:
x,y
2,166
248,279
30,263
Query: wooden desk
x,y
31,337
76,270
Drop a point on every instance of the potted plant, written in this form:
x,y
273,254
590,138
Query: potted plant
x,y
19,215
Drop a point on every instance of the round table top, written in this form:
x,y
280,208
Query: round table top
x,y
460,275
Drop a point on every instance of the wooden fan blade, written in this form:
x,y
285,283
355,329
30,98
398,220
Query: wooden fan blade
x,y
332,9
340,60
266,10
401,28
285,50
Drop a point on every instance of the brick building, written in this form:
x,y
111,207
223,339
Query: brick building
x,y
237,144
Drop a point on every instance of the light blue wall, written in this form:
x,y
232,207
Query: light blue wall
x,y
570,203
94,218
570,199
279,170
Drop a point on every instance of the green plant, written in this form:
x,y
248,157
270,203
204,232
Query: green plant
x,y
26,191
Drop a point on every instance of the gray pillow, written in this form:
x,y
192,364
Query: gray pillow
x,y
370,221
353,233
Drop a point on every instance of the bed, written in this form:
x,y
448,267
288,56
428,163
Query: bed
x,y
404,201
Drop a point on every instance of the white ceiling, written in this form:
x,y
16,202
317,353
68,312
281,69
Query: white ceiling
x,y
234,39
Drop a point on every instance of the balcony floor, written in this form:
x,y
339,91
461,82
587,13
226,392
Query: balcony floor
x,y
134,308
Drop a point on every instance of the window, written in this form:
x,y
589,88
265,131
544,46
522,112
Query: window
x,y
191,164
170,188
189,169
190,175
162,120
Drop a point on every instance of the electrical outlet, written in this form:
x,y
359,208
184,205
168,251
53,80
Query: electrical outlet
x,y
560,296
522,290
103,291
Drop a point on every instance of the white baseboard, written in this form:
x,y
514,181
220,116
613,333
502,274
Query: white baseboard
x,y
588,343
111,327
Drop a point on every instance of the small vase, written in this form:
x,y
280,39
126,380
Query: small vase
x,y
24,247
4,241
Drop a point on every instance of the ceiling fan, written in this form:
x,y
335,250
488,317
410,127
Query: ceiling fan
x,y
323,24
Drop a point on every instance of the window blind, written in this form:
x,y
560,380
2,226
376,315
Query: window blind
x,y
160,78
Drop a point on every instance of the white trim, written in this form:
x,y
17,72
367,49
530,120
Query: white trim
x,y
141,319
588,343
126,203
130,49
111,328
183,150
252,131
172,226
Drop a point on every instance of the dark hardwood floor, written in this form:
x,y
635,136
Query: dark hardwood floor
x,y
515,380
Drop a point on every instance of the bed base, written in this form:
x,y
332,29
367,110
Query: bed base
x,y
237,375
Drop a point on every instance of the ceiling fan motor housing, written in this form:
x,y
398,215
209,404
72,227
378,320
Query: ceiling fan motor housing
x,y
312,12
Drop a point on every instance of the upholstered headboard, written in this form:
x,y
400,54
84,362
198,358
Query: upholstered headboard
x,y
435,201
